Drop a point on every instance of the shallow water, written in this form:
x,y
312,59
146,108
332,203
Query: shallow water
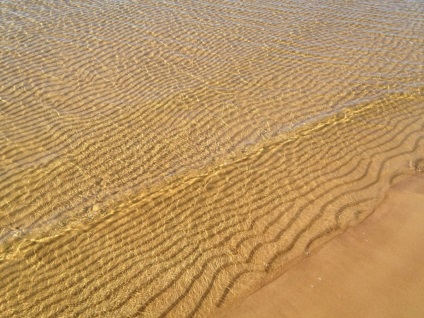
x,y
107,105
116,95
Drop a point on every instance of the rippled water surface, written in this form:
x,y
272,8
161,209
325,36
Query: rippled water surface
x,y
114,95
102,102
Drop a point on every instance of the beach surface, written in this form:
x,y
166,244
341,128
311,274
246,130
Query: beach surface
x,y
374,269
168,158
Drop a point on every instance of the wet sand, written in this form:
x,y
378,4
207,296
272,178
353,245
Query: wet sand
x,y
166,158
375,269
200,242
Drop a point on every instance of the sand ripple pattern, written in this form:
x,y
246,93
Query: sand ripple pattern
x,y
162,158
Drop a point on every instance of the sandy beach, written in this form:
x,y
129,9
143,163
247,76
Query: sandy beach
x,y
206,240
169,158
374,269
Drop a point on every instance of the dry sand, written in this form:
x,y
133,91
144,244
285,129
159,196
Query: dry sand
x,y
375,269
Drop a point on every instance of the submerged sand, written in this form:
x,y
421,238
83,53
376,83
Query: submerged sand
x,y
203,241
375,269
167,158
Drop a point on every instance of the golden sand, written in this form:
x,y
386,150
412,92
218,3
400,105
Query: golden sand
x,y
373,270
166,158
199,241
